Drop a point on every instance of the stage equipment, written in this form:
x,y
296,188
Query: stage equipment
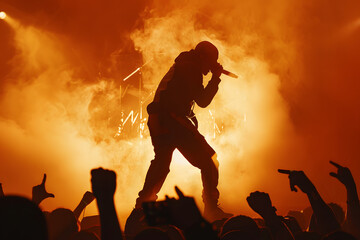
x,y
136,119
134,116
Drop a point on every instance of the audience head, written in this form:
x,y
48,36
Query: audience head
x,y
152,234
217,225
241,223
62,224
265,234
307,213
235,235
21,218
339,235
173,232
307,236
135,223
84,235
300,218
292,224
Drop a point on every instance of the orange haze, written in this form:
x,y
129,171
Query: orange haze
x,y
294,105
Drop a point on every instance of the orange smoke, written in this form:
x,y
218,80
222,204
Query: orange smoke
x,y
47,126
294,105
243,146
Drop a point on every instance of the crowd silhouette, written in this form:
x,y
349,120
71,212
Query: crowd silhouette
x,y
179,218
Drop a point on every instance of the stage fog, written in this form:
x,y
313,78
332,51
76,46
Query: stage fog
x,y
65,107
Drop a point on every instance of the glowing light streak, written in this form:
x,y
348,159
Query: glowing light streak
x,y
142,127
123,122
216,127
133,119
2,15
138,69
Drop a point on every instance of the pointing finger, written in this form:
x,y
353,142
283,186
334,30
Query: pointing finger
x,y
284,171
335,164
44,179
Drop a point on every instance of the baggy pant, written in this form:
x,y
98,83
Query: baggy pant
x,y
167,134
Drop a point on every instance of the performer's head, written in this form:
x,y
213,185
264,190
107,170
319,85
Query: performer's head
x,y
208,54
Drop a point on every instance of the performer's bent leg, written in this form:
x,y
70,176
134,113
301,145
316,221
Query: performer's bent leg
x,y
158,170
201,155
210,178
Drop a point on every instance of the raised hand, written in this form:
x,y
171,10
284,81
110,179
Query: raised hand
x,y
217,70
260,202
185,214
87,198
325,217
183,211
103,183
343,174
352,221
298,178
39,192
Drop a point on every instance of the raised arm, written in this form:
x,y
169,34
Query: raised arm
x,y
260,202
206,95
324,216
352,222
39,192
103,186
185,215
87,198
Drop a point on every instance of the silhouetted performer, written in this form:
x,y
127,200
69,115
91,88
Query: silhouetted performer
x,y
172,124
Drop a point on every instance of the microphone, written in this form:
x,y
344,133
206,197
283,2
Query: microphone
x,y
230,74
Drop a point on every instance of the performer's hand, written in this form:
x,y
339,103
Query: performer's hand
x,y
103,183
39,192
216,70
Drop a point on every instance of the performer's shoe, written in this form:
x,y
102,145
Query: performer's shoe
x,y
212,213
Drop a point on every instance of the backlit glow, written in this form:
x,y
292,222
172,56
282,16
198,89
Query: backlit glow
x,y
2,15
